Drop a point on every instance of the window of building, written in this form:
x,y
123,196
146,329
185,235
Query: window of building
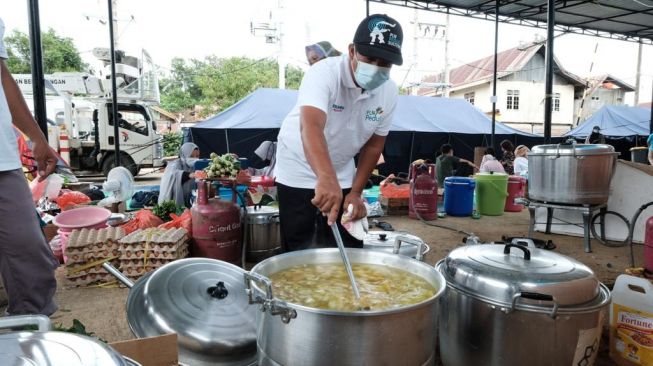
x,y
470,97
512,101
556,102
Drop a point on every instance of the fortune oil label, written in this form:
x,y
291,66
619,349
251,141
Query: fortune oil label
x,y
632,335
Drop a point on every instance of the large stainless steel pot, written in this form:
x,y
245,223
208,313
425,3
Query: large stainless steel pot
x,y
46,347
512,306
203,300
573,174
262,233
292,334
391,242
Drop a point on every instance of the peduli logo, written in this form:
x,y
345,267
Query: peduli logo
x,y
377,27
374,115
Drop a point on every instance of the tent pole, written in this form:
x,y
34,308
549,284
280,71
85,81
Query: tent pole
x,y
114,90
367,8
38,87
548,84
412,142
494,76
226,139
650,128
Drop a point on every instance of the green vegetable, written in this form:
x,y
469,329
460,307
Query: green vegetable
x,y
164,210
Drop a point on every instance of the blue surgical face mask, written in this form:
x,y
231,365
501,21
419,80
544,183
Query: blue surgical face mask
x,y
370,76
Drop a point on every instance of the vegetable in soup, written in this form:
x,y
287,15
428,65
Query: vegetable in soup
x,y
327,286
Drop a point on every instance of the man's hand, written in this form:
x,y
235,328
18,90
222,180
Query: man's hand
x,y
45,157
328,197
355,199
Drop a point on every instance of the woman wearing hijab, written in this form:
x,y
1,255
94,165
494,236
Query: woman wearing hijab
x,y
321,50
508,158
490,164
178,178
521,160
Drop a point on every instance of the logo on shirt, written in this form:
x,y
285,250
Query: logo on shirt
x,y
374,115
337,108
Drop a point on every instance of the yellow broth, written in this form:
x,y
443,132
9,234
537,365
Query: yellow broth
x,y
327,286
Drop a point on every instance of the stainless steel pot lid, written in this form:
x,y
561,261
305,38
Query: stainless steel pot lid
x,y
578,149
498,273
385,240
56,349
202,300
262,214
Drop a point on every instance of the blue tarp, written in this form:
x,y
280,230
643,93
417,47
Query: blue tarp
x,y
267,108
616,121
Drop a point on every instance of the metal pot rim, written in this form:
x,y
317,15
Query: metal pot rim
x,y
602,300
352,253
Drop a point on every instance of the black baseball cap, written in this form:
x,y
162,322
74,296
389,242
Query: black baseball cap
x,y
380,36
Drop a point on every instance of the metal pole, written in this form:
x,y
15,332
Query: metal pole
x,y
114,90
650,129
638,75
494,76
367,8
548,87
38,83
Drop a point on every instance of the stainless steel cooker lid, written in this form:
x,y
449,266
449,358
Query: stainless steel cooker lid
x,y
56,349
385,240
262,210
578,149
204,301
499,273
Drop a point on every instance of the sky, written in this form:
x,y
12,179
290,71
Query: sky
x,y
198,28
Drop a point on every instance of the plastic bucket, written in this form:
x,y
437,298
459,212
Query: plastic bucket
x,y
491,191
371,195
516,188
639,154
226,194
459,196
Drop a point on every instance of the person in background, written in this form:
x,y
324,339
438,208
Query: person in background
x,y
596,137
345,107
178,179
521,160
490,164
319,51
446,163
649,141
508,158
26,261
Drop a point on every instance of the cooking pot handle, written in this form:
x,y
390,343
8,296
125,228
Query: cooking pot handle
x,y
536,296
41,321
268,302
527,253
421,246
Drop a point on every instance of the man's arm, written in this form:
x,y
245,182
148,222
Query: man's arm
x,y
650,156
367,160
465,161
23,120
328,194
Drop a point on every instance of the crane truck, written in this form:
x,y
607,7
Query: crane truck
x,y
79,112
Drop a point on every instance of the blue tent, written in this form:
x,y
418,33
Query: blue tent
x,y
615,122
421,125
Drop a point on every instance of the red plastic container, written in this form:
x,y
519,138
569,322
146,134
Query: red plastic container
x,y
648,246
217,230
423,197
516,189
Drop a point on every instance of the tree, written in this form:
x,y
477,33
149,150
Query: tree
x,y
217,83
59,53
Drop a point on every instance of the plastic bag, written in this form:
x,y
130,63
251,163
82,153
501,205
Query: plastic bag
x,y
392,190
48,187
374,209
70,199
179,221
143,219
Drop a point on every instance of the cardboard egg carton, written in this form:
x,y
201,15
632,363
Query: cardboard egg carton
x,y
92,278
88,245
155,243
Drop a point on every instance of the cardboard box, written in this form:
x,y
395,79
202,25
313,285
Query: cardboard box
x,y
394,206
50,230
154,351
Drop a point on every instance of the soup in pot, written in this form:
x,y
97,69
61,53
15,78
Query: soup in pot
x,y
327,286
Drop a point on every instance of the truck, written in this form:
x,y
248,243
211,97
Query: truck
x,y
79,108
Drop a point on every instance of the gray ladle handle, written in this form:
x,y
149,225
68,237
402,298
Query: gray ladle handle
x,y
118,275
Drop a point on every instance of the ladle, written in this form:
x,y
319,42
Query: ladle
x,y
345,258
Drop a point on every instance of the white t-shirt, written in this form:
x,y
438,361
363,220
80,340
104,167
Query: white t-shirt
x,y
353,116
521,165
8,145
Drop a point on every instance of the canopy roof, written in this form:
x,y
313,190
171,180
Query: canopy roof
x,y
625,20
266,108
616,121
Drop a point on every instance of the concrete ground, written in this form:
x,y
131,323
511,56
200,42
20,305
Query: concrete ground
x,y
102,310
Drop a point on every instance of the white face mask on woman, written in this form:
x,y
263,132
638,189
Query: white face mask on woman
x,y
370,76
